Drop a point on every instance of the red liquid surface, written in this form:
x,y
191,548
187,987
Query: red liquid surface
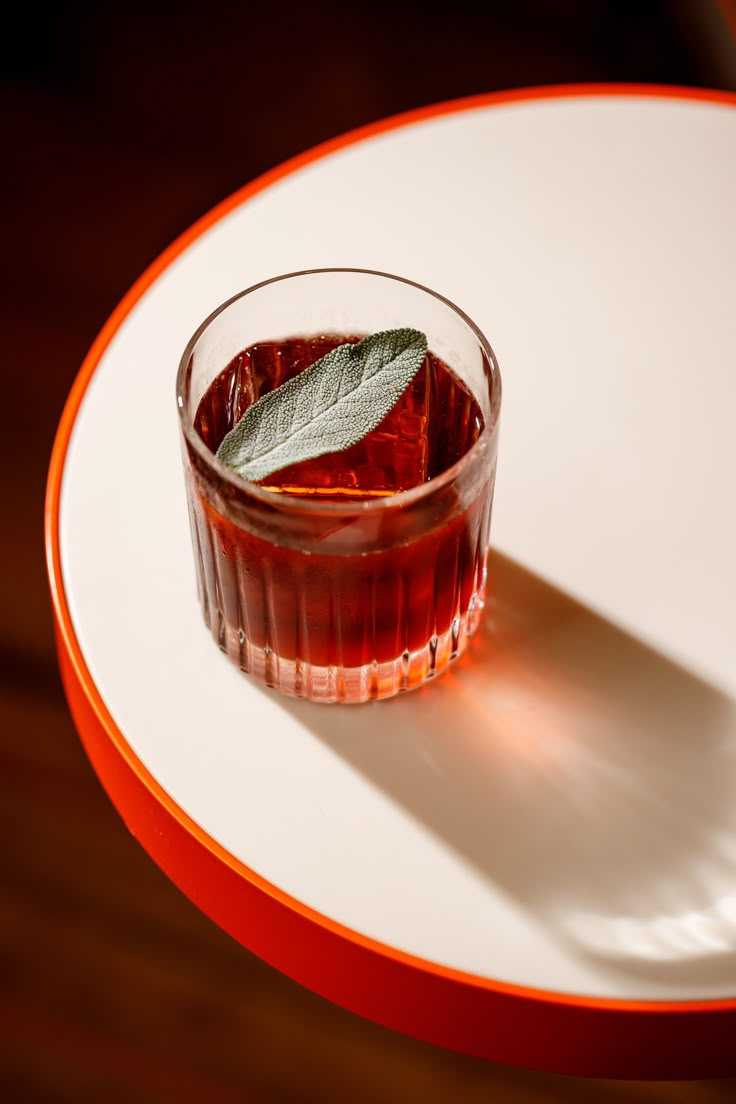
x,y
318,609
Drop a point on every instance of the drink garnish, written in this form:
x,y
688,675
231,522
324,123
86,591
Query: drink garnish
x,y
330,406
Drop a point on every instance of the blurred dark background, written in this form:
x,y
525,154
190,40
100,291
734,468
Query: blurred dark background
x,y
119,127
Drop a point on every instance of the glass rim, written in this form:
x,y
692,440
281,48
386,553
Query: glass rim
x,y
340,509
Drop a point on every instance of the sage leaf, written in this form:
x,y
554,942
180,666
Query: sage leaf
x,y
328,407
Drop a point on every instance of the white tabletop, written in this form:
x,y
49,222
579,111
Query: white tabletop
x,y
559,811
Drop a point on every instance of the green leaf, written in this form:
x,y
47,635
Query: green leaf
x,y
328,407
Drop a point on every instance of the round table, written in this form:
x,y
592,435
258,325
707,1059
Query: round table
x,y
534,858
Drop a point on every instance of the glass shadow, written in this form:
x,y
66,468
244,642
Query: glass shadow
x,y
577,769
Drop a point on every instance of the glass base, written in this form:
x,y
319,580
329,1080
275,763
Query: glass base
x,y
352,685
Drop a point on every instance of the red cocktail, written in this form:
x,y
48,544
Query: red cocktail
x,y
360,573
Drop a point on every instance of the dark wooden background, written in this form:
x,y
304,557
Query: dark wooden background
x,y
119,126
